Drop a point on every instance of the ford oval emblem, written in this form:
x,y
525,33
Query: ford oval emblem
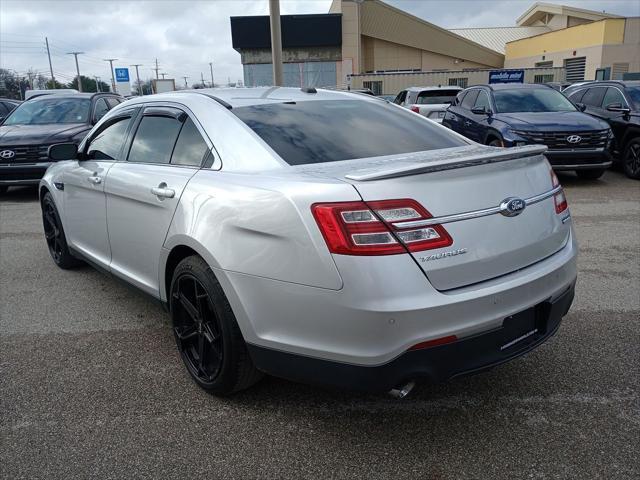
x,y
512,206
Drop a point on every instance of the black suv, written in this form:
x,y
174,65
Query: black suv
x,y
29,130
509,115
6,106
618,103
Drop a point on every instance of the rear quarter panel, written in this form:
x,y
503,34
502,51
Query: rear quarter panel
x,y
260,225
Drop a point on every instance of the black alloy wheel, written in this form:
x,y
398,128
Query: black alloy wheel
x,y
631,161
197,329
206,331
54,235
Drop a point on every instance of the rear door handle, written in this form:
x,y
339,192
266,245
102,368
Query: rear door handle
x,y
95,179
161,191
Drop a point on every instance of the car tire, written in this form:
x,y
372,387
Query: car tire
x,y
206,331
593,174
54,235
3,189
496,142
631,159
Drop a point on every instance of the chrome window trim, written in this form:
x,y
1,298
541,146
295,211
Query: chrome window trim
x,y
458,217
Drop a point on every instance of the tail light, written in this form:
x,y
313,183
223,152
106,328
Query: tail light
x,y
376,228
559,198
413,108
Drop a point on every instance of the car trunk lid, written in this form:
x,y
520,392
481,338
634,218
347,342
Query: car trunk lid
x,y
467,188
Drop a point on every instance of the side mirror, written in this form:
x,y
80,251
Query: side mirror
x,y
581,106
617,107
481,111
63,151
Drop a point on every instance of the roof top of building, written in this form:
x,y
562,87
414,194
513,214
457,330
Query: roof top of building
x,y
495,38
539,10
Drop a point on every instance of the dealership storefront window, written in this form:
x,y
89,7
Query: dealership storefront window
x,y
309,74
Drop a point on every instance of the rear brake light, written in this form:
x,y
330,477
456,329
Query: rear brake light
x,y
376,228
559,198
415,109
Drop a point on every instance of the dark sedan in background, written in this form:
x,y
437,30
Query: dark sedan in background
x,y
618,103
7,105
29,130
514,115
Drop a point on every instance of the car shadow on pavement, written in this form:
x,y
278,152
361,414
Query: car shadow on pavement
x,y
20,194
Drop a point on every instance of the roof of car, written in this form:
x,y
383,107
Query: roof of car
x,y
71,95
439,87
243,97
627,83
511,86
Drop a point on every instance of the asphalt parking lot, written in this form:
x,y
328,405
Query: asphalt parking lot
x,y
91,384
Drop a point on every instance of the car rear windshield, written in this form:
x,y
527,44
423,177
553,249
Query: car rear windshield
x,y
51,110
436,97
322,131
531,100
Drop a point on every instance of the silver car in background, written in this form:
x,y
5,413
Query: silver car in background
x,y
319,236
430,102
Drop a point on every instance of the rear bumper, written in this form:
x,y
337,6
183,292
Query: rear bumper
x,y
514,338
579,159
22,174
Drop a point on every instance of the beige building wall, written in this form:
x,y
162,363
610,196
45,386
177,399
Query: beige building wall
x,y
392,83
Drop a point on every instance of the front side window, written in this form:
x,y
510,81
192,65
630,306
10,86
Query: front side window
x,y
51,110
436,97
531,100
154,139
190,148
613,95
594,96
469,99
482,101
107,144
322,131
100,110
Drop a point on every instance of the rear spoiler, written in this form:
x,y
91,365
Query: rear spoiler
x,y
409,165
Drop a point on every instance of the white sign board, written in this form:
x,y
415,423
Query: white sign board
x,y
123,86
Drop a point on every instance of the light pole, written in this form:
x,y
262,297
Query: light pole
x,y
211,68
138,77
75,54
276,41
97,83
186,85
113,79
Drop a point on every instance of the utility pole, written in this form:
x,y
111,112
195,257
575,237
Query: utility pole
x,y
276,41
53,79
97,83
211,68
75,54
202,79
30,75
156,69
138,77
186,85
113,79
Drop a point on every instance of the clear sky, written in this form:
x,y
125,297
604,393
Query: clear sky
x,y
185,35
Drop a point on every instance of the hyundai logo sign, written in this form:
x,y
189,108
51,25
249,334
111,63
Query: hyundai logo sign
x,y
574,139
512,206
7,154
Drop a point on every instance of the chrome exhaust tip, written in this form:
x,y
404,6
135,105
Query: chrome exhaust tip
x,y
402,391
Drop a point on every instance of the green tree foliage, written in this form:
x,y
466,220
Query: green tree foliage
x,y
88,84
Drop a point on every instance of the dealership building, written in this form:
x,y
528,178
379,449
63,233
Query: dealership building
x,y
370,44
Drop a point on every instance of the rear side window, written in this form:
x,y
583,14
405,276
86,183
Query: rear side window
x,y
100,110
154,140
332,130
594,96
469,99
190,148
436,97
107,144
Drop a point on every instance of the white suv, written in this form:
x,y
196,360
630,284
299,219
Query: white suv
x,y
430,102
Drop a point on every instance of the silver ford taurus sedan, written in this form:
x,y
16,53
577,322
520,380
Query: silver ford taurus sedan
x,y
319,236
